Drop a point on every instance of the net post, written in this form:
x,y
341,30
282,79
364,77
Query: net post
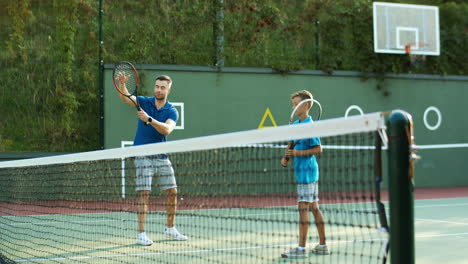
x,y
402,242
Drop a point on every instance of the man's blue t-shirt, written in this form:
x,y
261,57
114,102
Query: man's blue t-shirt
x,y
306,167
148,134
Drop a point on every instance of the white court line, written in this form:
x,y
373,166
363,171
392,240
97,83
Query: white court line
x,y
440,205
65,222
187,251
148,218
150,253
232,249
442,235
440,221
211,250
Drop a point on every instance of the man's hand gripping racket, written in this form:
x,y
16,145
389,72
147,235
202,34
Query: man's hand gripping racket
x,y
125,78
316,113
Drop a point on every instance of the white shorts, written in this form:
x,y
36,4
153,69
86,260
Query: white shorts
x,y
307,192
147,167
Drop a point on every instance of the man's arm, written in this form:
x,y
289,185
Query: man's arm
x,y
164,128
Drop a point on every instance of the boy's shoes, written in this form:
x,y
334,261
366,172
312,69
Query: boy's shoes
x,y
320,250
294,253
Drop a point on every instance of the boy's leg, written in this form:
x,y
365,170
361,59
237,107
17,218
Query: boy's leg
x,y
303,223
319,222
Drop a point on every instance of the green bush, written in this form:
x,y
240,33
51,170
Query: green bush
x,y
49,52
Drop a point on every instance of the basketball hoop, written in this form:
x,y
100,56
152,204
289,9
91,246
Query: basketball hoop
x,y
415,59
398,25
414,44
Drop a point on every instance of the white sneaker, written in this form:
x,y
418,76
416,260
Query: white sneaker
x,y
172,233
294,253
320,250
142,239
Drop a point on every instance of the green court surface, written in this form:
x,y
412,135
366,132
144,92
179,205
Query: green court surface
x,y
441,227
227,236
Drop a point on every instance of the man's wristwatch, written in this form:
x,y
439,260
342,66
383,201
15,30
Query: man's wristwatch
x,y
149,121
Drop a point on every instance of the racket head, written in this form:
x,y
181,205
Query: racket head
x,y
128,70
315,112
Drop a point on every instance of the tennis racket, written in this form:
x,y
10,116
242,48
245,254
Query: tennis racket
x,y
315,112
129,74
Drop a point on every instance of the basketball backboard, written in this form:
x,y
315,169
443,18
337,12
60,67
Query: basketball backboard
x,y
405,28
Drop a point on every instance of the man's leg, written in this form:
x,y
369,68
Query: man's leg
x,y
143,198
171,206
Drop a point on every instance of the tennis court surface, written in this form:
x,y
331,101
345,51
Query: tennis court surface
x,y
236,203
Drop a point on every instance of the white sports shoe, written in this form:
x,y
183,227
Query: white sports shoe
x,y
172,233
142,239
320,250
294,253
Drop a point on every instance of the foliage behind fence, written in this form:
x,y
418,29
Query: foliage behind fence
x,y
49,52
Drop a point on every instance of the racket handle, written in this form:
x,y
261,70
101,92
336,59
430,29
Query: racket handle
x,y
290,146
139,109
286,158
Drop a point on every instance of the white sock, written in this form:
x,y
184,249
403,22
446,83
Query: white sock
x,y
142,234
169,228
301,248
322,245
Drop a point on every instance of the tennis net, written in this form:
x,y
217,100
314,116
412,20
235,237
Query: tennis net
x,y
235,201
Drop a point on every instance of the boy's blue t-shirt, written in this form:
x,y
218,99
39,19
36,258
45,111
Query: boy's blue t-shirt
x,y
306,167
148,134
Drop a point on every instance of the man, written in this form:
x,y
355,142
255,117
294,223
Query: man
x,y
307,176
157,119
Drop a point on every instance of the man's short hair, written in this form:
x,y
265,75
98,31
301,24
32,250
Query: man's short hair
x,y
164,78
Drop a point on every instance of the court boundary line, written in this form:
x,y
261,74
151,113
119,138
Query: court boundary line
x,y
439,221
110,256
189,251
213,250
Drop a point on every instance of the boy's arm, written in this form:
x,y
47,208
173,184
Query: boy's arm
x,y
315,150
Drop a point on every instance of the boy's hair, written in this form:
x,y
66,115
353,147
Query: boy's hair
x,y
304,94
164,78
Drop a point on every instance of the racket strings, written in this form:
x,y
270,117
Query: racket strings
x,y
127,71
